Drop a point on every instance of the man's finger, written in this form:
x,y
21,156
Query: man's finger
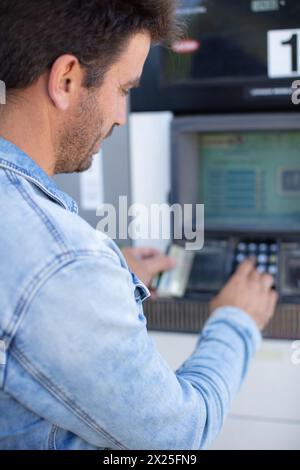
x,y
267,281
246,268
273,302
146,252
255,276
160,263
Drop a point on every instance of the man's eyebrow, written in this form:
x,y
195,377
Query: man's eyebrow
x,y
135,83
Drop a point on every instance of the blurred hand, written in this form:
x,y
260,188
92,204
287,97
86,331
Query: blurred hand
x,y
251,292
147,263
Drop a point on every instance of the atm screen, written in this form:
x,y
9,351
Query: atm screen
x,y
221,46
250,179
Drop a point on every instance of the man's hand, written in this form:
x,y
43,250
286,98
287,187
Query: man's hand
x,y
146,263
251,292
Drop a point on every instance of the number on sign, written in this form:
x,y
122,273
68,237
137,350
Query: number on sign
x,y
283,53
293,42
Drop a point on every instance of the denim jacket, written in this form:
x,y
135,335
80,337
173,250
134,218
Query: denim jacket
x,y
78,369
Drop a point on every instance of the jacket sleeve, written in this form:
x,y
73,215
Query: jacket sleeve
x,y
81,359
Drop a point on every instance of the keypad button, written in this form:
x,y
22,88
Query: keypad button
x,y
242,247
252,247
273,259
263,248
240,258
262,268
262,259
273,270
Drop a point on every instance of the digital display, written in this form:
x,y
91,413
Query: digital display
x,y
235,40
209,268
266,5
250,179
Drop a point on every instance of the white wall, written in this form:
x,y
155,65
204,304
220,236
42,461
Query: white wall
x,y
266,412
150,163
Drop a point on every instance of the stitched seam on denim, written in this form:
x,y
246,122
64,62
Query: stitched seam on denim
x,y
7,164
56,391
25,174
40,278
41,214
29,291
52,436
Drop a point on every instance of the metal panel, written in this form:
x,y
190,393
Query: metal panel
x,y
190,316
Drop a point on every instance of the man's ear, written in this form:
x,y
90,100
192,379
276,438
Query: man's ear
x,y
64,82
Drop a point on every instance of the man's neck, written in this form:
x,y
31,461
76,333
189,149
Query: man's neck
x,y
23,126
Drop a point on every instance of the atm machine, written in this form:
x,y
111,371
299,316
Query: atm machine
x,y
245,169
234,147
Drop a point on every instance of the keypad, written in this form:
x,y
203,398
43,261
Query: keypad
x,y
265,254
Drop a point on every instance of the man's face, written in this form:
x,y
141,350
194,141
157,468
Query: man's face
x,y
97,111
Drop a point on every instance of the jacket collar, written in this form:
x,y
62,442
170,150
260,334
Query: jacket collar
x,y
14,159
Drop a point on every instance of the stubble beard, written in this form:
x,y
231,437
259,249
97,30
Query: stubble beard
x,y
81,140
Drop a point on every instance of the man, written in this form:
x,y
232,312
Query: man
x,y
78,370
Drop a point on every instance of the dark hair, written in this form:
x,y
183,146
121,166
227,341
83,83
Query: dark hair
x,y
34,33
